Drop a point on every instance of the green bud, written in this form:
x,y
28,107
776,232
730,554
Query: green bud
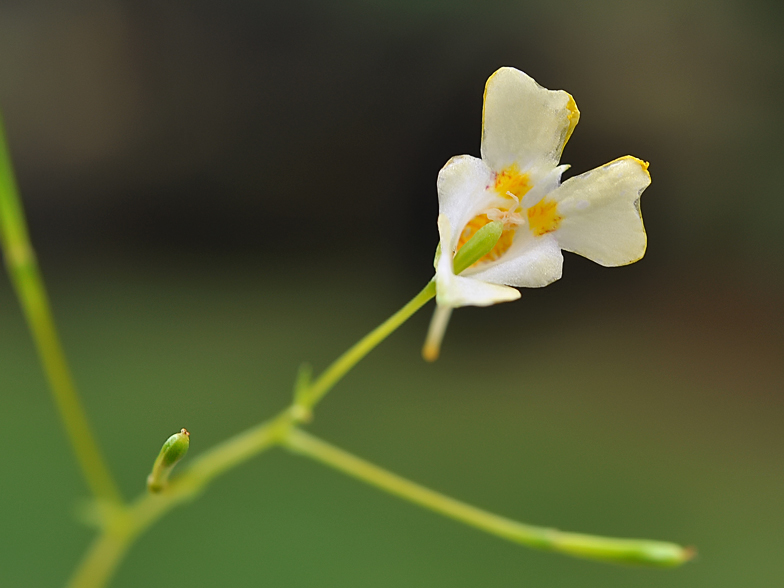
x,y
641,552
173,450
478,246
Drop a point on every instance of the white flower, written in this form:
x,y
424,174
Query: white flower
x,y
518,182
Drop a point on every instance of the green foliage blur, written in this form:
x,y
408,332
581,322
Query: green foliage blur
x,y
220,191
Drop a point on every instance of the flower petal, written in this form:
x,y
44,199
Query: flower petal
x,y
531,262
462,191
525,124
455,291
600,212
544,186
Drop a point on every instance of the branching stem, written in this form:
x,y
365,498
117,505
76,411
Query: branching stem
x,y
121,523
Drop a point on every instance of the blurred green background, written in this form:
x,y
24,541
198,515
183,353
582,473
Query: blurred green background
x,y
219,191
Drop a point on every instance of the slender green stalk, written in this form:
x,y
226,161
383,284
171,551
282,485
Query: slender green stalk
x,y
631,551
331,376
102,558
29,286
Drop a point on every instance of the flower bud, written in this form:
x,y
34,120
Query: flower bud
x,y
173,450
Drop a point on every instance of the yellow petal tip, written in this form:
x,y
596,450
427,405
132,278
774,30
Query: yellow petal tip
x,y
573,116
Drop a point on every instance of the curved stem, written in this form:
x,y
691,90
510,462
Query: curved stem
x,y
631,551
29,286
324,383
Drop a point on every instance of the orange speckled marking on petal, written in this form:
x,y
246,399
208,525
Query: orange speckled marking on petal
x,y
511,180
543,218
504,242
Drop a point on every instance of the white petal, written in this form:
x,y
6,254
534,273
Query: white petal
x,y
458,291
524,123
601,212
455,291
462,191
531,262
544,186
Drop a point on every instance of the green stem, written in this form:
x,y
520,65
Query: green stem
x,y
324,383
29,286
102,559
631,551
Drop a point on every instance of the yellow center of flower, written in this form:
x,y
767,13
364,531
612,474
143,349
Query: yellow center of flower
x,y
512,186
543,218
511,181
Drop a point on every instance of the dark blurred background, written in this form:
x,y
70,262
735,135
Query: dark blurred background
x,y
218,191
